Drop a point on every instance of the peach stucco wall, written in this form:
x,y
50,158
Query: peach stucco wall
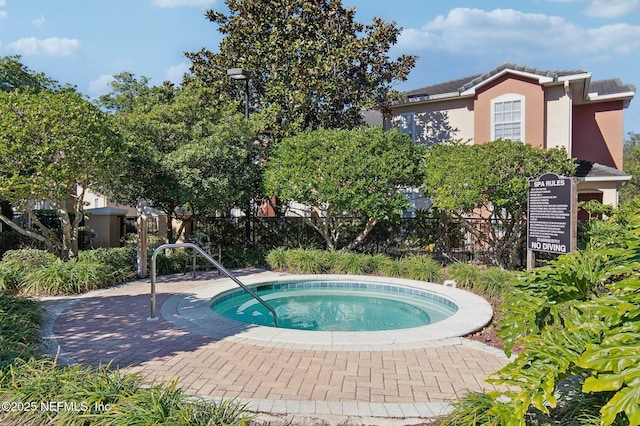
x,y
534,107
598,133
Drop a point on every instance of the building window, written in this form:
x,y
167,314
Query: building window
x,y
508,117
406,124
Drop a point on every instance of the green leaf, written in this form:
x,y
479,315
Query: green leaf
x,y
626,401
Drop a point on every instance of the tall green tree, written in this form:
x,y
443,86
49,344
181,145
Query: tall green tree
x,y
184,151
15,75
631,154
344,175
490,181
51,144
312,64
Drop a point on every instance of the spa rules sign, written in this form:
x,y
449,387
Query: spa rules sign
x,y
552,214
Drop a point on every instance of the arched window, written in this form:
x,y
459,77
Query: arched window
x,y
507,117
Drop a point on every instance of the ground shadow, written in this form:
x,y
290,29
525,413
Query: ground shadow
x,y
114,327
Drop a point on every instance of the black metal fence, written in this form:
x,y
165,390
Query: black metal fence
x,y
444,238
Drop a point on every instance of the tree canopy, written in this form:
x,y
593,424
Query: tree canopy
x,y
631,152
15,75
184,150
312,65
51,143
490,180
345,175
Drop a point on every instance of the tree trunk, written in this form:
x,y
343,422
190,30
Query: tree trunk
x,y
30,234
371,223
322,230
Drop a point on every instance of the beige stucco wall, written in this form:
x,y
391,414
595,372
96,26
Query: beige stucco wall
x,y
441,121
106,224
93,200
558,117
608,190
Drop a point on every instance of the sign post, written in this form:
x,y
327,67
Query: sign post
x,y
551,216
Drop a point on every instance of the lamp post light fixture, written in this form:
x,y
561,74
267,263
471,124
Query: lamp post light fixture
x,y
144,212
240,74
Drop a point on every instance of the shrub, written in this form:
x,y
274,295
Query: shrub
x,y
393,268
493,281
20,321
110,398
243,258
9,279
278,258
28,258
306,261
122,262
71,277
352,263
423,268
577,316
16,264
473,409
464,274
165,265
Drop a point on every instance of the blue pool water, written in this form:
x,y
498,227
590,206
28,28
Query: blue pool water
x,y
336,306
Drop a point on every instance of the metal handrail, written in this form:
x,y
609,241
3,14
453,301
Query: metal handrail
x,y
206,255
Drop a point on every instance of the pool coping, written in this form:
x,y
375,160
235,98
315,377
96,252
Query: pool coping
x,y
190,311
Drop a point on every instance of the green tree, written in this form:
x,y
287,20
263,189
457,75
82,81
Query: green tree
x,y
345,174
15,75
312,65
51,144
184,151
490,181
631,154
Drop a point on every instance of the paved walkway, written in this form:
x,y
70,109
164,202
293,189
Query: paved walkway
x,y
362,386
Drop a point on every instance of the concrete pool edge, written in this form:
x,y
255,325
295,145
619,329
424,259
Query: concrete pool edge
x,y
190,311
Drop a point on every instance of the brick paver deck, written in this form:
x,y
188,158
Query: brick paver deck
x,y
111,326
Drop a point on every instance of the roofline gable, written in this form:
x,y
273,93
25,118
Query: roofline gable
x,y
468,87
542,80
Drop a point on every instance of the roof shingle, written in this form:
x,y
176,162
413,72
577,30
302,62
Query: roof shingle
x,y
602,87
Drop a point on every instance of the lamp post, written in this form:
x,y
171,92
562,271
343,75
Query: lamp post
x,y
240,74
144,212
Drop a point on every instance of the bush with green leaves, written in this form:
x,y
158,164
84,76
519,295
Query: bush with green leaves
x,y
105,397
122,261
423,268
20,321
17,263
577,316
312,261
72,277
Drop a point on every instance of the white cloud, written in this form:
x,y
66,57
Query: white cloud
x,y
618,38
3,14
52,46
38,21
175,73
612,8
100,86
3,3
182,3
509,34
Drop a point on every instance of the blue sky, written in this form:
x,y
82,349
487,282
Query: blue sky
x,y
85,42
